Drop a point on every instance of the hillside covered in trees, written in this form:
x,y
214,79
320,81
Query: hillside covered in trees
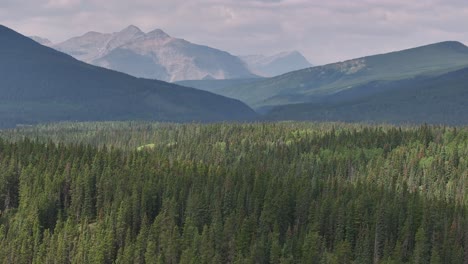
x,y
40,85
233,193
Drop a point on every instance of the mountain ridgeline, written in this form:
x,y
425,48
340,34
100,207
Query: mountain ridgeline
x,y
154,55
42,41
312,83
40,84
436,93
418,85
438,100
423,84
269,66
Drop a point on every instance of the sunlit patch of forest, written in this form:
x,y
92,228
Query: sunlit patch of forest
x,y
136,192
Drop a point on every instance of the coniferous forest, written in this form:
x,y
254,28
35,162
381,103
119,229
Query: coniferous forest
x,y
233,193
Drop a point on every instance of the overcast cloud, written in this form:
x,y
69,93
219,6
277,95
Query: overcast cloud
x,y
324,31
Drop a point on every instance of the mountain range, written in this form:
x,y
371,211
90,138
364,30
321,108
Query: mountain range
x,y
312,84
283,62
153,55
156,55
422,84
441,99
40,84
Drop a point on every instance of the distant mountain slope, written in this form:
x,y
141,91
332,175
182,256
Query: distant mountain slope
x,y
42,41
215,85
40,84
308,84
154,55
281,63
441,100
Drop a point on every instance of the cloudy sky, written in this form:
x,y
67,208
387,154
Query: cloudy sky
x,y
323,30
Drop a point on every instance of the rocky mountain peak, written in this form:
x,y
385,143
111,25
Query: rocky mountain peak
x,y
158,33
127,35
288,53
131,29
154,55
92,34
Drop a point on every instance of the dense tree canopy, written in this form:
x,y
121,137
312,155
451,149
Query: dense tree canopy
x,y
233,193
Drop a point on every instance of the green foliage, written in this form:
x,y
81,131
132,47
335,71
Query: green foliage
x,y
312,83
39,84
436,100
146,147
216,85
233,193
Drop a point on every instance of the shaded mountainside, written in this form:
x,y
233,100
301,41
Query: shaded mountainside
x,y
154,55
39,84
281,63
441,100
215,85
308,84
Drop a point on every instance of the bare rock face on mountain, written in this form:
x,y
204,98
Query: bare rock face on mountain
x,y
154,55
39,84
269,66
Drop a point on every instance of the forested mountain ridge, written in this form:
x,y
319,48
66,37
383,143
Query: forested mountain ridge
x,y
39,84
310,84
230,193
216,85
437,100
